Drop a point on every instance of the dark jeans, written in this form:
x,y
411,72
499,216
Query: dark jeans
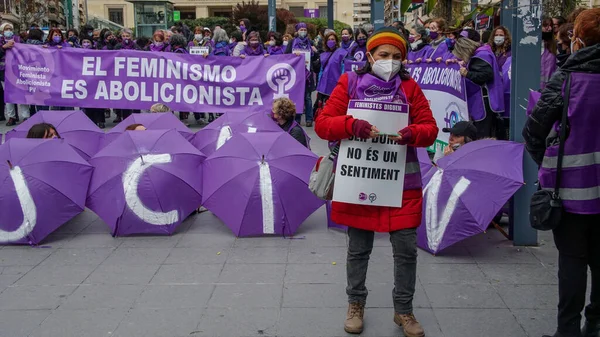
x,y
96,115
404,245
577,239
308,108
124,113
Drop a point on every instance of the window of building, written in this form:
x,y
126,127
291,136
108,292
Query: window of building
x,y
186,13
323,12
298,11
116,15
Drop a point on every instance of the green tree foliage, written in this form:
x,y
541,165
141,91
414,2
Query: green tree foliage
x,y
259,17
321,23
210,22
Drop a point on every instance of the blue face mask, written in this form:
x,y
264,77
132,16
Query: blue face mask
x,y
8,34
450,43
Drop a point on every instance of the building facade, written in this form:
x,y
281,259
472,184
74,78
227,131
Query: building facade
x,y
122,13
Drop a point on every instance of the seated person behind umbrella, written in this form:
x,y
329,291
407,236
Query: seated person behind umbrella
x,y
284,113
43,130
460,134
135,127
159,107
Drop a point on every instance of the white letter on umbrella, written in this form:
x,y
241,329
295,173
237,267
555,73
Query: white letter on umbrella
x,y
131,178
224,135
436,228
266,195
27,207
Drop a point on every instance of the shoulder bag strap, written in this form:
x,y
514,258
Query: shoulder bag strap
x,y
563,134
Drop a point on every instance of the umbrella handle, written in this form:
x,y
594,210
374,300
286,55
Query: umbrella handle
x,y
10,165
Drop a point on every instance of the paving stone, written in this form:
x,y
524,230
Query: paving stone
x,y
478,322
502,254
15,323
150,242
34,297
314,254
258,255
321,239
518,296
263,242
299,322
253,273
518,274
187,274
246,296
56,275
451,274
23,256
450,255
80,323
207,223
197,256
463,296
316,273
314,296
238,322
77,256
174,296
217,241
537,322
143,322
96,296
93,241
381,296
137,256
108,273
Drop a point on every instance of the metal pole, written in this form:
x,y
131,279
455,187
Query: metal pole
x,y
526,47
272,15
330,14
76,14
377,14
474,4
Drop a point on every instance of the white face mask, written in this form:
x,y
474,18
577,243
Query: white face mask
x,y
415,44
302,34
285,43
499,40
386,69
198,37
271,43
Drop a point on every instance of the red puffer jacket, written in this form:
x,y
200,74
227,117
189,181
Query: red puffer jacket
x,y
334,124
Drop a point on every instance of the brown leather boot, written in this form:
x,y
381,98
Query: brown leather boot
x,y
409,324
354,318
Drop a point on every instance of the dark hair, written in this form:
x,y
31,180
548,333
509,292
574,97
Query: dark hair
x,y
36,34
574,14
359,31
349,31
278,38
40,130
366,69
74,31
142,42
485,36
246,23
132,127
560,19
237,35
102,32
178,41
337,40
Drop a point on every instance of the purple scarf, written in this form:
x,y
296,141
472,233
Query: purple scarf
x,y
221,49
348,44
128,46
275,50
164,48
301,43
253,52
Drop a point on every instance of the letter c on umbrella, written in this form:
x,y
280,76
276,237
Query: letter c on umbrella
x,y
27,207
131,179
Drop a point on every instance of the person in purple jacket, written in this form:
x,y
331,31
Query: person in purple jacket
x,y
158,42
419,45
254,47
439,48
275,44
56,39
127,41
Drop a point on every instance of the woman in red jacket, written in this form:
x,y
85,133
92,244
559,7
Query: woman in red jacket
x,y
386,51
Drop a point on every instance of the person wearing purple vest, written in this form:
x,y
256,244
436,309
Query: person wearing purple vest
x,y
383,79
303,44
485,94
284,114
439,48
500,42
7,41
419,46
331,60
358,52
577,236
254,47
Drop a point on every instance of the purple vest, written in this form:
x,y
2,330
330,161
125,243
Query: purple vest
x,y
495,89
303,44
506,83
419,54
441,50
580,184
548,67
358,53
331,70
248,51
294,124
221,49
275,50
370,88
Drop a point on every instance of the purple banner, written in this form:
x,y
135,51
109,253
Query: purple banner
x,y
137,80
350,66
311,13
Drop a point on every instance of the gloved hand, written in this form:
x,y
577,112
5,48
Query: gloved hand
x,y
406,134
361,129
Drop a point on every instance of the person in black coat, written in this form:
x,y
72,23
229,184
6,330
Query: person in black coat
x,y
284,113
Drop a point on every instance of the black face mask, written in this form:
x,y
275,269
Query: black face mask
x,y
547,36
561,59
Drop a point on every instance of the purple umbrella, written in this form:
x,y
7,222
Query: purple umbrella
x,y
74,126
43,184
466,190
215,134
425,162
152,121
258,184
146,182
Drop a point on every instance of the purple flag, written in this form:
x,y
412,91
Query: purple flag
x,y
137,80
350,65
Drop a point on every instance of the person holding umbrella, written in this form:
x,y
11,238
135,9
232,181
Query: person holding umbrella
x,y
284,113
461,133
386,49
